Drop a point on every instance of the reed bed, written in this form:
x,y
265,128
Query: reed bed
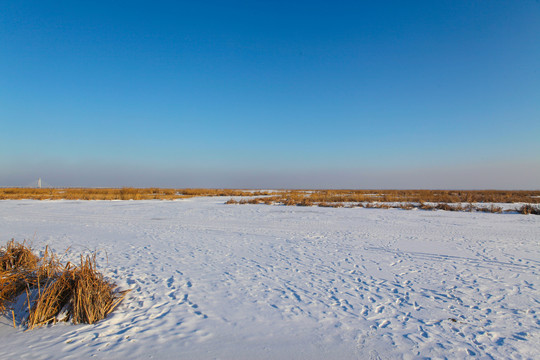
x,y
54,292
449,200
296,196
481,201
125,193
412,196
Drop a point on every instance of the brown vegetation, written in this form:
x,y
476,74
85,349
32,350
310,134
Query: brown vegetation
x,y
529,209
16,257
76,293
446,200
17,263
126,193
282,196
413,196
221,192
449,200
89,194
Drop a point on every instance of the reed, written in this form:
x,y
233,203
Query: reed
x,y
77,293
17,264
17,257
125,193
447,200
528,209
291,196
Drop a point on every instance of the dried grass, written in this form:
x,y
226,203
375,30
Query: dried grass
x,y
529,209
94,297
406,206
11,285
292,197
77,293
491,209
445,207
125,193
17,264
447,200
17,257
405,196
51,300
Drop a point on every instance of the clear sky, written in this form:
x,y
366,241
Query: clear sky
x,y
271,94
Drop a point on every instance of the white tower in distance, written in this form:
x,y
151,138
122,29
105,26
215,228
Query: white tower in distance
x,y
39,183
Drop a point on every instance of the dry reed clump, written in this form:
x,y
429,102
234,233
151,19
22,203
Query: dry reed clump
x,y
305,202
17,257
17,262
445,207
406,206
529,209
76,293
289,202
491,209
12,284
425,206
94,297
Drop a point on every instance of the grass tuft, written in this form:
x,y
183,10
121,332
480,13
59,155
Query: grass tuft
x,y
529,209
17,257
77,293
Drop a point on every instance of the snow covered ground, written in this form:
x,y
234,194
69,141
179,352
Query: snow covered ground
x,y
223,281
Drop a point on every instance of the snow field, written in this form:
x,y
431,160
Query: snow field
x,y
254,281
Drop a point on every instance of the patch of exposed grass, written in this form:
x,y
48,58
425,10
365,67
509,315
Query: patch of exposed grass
x,y
16,257
529,209
490,209
77,293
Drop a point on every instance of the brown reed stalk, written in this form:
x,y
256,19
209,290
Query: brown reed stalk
x,y
80,293
93,297
16,257
52,300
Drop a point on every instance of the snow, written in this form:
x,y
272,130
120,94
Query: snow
x,y
223,281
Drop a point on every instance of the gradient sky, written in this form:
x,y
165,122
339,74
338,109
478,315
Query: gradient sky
x,y
271,94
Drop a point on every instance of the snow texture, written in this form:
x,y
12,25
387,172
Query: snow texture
x,y
223,281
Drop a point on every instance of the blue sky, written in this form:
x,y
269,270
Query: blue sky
x,y
303,94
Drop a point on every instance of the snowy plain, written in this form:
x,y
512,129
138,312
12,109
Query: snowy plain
x,y
216,281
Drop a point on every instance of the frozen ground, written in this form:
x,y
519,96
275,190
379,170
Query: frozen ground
x,y
271,282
